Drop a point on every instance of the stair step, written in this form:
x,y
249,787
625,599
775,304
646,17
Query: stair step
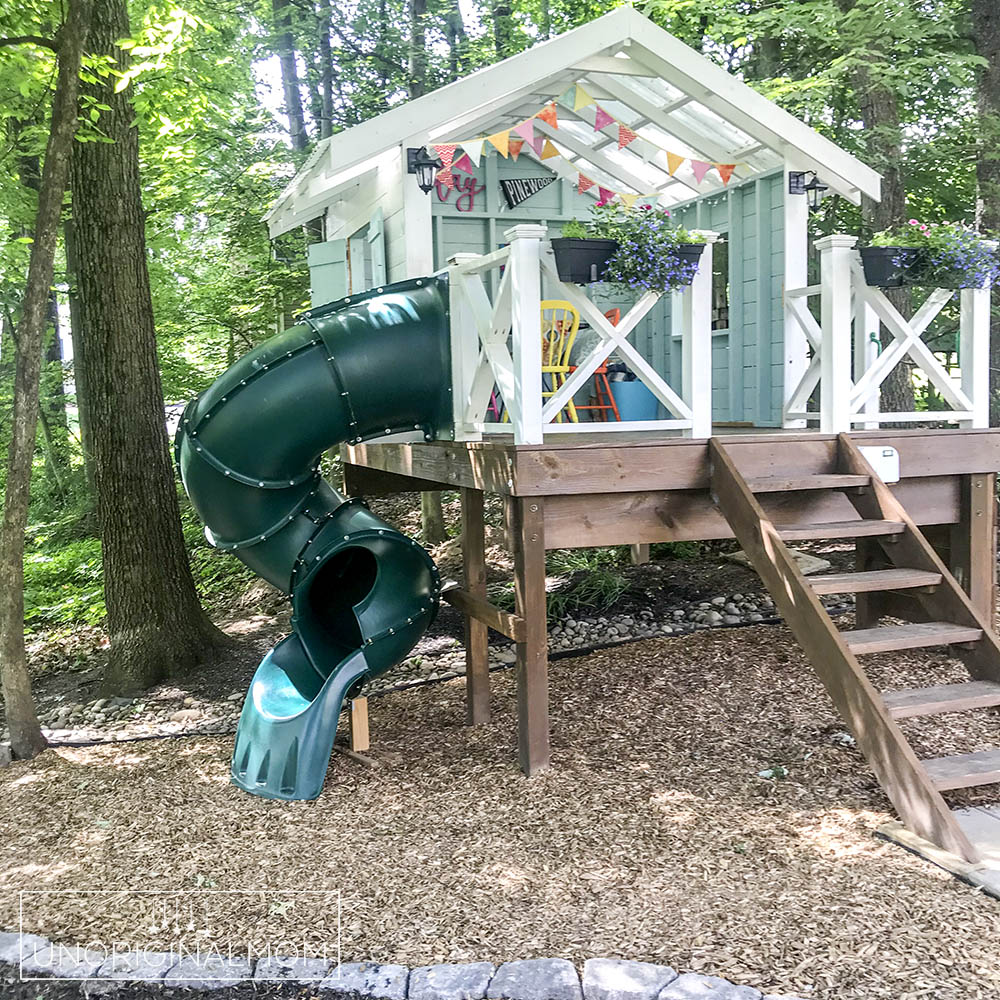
x,y
964,770
942,698
839,529
889,637
877,579
785,484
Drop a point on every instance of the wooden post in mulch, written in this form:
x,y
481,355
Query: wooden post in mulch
x,y
360,739
477,665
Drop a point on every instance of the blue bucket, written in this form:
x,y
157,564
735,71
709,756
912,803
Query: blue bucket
x,y
634,401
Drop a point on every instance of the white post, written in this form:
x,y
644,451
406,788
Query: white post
x,y
526,324
416,222
866,348
836,253
465,350
796,346
974,353
696,343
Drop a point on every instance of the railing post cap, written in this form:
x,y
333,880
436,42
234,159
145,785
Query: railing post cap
x,y
710,235
526,231
462,258
836,241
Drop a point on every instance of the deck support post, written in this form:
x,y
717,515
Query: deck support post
x,y
796,346
836,254
527,518
696,345
526,323
360,738
972,546
477,663
866,349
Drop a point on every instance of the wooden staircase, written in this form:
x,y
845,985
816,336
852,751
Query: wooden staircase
x,y
902,563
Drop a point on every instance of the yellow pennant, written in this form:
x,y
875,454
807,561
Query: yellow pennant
x,y
548,150
501,140
628,200
581,98
673,162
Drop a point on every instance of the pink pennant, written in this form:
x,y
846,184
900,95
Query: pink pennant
x,y
605,196
537,143
601,118
445,178
625,136
699,168
526,130
446,154
464,164
584,184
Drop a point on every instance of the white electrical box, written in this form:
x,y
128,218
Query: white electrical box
x,y
885,462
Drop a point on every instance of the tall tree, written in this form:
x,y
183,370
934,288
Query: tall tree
x,y
285,48
417,63
22,720
156,624
986,34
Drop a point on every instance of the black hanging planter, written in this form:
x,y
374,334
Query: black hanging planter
x,y
582,260
892,267
690,253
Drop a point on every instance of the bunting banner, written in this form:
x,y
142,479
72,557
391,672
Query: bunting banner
x,y
445,177
527,135
520,189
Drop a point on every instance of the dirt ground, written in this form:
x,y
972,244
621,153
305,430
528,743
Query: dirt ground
x,y
654,835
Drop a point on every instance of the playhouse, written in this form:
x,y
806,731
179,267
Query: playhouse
x,y
439,218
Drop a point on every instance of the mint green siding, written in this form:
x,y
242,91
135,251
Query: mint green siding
x,y
747,351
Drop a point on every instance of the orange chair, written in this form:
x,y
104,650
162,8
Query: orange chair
x,y
602,390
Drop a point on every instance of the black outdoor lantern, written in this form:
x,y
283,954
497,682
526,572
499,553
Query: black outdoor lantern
x,y
425,166
813,189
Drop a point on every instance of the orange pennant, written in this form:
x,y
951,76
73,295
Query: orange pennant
x,y
584,184
515,147
445,178
625,136
725,171
548,114
548,151
501,140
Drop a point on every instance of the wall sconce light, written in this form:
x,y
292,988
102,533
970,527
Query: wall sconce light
x,y
425,166
812,189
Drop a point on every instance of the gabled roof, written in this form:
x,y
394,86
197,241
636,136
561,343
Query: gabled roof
x,y
672,96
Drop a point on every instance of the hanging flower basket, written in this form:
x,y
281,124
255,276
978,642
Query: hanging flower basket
x,y
892,267
583,260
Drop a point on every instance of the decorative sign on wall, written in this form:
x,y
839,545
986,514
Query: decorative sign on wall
x,y
465,188
520,189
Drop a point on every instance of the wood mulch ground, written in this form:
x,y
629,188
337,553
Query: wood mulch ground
x,y
654,836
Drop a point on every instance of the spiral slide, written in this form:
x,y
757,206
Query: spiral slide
x,y
362,594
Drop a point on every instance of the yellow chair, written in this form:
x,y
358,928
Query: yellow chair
x,y
560,322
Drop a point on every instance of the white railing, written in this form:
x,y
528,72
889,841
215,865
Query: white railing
x,y
848,365
497,342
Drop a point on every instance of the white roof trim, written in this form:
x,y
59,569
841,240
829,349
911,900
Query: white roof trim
x,y
620,45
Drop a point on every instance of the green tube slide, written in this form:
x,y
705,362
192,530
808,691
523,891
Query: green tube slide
x,y
248,450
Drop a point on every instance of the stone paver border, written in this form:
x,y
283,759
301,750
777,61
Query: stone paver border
x,y
32,956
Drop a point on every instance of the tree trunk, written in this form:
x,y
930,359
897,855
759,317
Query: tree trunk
x,y
454,27
156,624
79,362
502,16
285,49
326,69
432,519
22,721
417,68
986,34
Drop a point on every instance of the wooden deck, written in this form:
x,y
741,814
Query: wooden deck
x,y
614,489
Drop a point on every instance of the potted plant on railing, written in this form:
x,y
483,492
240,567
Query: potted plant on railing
x,y
648,254
580,256
942,255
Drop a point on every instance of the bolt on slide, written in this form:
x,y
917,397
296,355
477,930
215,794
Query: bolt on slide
x,y
248,449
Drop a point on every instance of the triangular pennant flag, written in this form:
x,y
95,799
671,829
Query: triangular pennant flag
x,y
548,151
584,184
501,140
628,200
548,114
725,171
473,150
446,154
605,196
601,118
463,163
566,97
673,162
581,98
526,130
699,168
515,146
445,177
625,136
538,144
